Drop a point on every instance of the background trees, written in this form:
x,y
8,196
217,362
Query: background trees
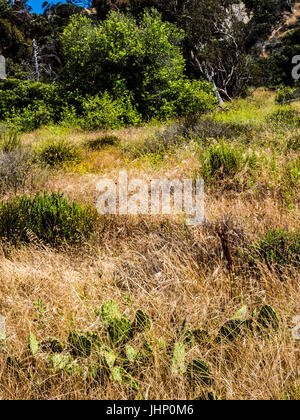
x,y
141,58
114,72
220,42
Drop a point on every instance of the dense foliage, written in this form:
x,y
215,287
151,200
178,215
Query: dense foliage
x,y
126,61
140,62
116,73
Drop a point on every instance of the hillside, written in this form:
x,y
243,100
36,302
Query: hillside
x,y
189,281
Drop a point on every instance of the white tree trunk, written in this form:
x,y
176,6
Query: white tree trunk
x,y
35,61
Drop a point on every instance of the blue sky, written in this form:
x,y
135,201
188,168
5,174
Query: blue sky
x,y
36,5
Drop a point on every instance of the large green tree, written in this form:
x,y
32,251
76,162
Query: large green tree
x,y
142,61
214,45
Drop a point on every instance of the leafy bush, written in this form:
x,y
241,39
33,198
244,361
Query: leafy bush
x,y
141,61
188,97
19,94
105,112
280,248
55,153
69,116
31,117
222,159
49,218
293,143
27,104
115,73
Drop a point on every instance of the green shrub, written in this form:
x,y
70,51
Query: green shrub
x,y
31,117
69,116
55,153
189,97
27,104
19,94
293,143
129,59
223,159
48,217
105,112
280,248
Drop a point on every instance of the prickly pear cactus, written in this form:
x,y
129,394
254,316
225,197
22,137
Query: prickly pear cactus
x,y
52,345
119,331
81,343
131,353
110,312
97,372
198,373
60,362
109,356
229,331
178,359
200,337
241,314
119,328
123,377
268,318
162,344
145,354
142,321
33,344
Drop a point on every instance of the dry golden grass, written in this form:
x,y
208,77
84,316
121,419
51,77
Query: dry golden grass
x,y
172,272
